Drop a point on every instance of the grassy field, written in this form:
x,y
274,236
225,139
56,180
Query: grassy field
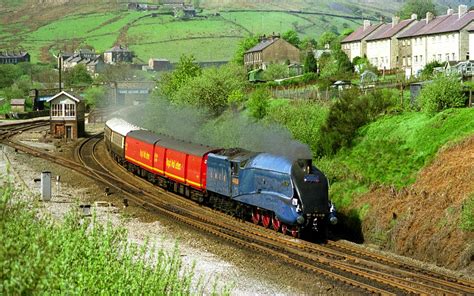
x,y
392,150
211,38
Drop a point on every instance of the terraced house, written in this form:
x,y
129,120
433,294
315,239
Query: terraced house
x,y
409,45
355,45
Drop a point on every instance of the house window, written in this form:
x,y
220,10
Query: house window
x,y
409,60
416,59
447,57
454,56
439,57
56,110
404,61
70,110
421,58
467,56
408,42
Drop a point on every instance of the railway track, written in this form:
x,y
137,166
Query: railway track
x,y
340,262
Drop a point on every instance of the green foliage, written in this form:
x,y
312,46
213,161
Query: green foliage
x,y
95,97
77,76
244,45
427,71
310,63
235,98
392,150
258,103
292,37
211,89
81,256
9,74
335,65
352,111
185,70
467,214
443,93
308,43
420,7
327,38
14,92
275,71
303,118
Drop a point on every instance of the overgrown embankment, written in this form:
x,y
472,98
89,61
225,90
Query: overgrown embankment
x,y
403,193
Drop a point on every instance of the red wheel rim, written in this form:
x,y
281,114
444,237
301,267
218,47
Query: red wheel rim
x,y
295,232
255,216
276,224
284,228
266,220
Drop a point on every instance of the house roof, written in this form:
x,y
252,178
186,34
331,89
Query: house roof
x,y
262,45
13,54
17,102
440,24
66,94
360,33
388,30
118,48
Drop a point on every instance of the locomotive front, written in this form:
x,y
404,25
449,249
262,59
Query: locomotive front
x,y
312,196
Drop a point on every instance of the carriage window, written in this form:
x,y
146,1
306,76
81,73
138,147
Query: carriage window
x,y
235,169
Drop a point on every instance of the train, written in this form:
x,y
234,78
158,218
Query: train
x,y
274,191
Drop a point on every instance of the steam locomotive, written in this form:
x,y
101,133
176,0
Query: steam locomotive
x,y
274,191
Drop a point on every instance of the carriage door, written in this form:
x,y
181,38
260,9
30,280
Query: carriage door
x,y
234,167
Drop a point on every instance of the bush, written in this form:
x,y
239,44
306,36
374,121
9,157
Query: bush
x,y
352,111
258,103
275,71
443,93
80,257
303,118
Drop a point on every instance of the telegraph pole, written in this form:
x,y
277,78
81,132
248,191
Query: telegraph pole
x,y
60,70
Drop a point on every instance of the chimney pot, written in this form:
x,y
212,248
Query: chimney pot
x,y
414,16
462,9
429,17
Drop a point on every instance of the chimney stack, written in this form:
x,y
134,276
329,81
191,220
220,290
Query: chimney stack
x,y
395,21
414,16
462,9
429,17
366,24
450,11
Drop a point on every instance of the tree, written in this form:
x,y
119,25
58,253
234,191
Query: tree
x,y
77,76
443,93
8,75
292,37
258,103
186,69
327,38
310,64
308,43
95,97
212,88
275,71
428,70
419,7
244,45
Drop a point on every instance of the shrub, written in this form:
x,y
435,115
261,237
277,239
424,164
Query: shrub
x,y
352,111
258,103
80,257
467,214
443,93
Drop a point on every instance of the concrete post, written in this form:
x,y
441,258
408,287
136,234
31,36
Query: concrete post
x,y
46,186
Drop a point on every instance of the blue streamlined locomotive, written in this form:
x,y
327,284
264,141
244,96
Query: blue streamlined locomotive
x,y
289,195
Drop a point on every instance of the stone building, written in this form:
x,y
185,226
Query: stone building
x,y
118,54
67,116
14,57
271,50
